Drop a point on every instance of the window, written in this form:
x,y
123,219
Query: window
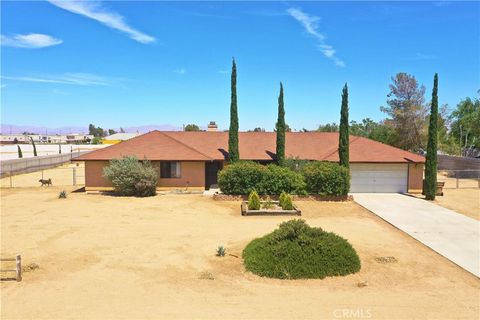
x,y
169,169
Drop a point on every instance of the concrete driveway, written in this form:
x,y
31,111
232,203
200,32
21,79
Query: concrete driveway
x,y
449,233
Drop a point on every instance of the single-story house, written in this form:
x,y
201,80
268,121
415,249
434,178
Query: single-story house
x,y
194,158
118,137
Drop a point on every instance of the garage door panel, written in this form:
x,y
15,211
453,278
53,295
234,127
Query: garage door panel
x,y
378,177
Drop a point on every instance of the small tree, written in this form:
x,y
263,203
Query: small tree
x,y
192,127
343,143
431,161
281,128
233,153
59,149
20,154
34,147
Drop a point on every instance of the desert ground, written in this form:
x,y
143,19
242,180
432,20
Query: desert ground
x,y
104,257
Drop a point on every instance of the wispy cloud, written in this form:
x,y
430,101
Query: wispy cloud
x,y
30,41
310,23
80,79
95,11
181,71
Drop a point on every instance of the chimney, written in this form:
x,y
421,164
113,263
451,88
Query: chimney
x,y
212,126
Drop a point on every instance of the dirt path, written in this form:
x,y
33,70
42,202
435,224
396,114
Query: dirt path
x,y
104,257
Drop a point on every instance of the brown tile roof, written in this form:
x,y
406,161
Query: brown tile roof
x,y
205,146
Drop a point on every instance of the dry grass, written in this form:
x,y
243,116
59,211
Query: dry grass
x,y
464,201
113,257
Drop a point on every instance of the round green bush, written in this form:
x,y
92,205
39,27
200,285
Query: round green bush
x,y
326,178
244,176
297,251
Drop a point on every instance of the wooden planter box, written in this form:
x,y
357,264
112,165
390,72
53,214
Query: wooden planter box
x,y
268,212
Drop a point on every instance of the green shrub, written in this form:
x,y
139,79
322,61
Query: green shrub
x,y
295,164
286,201
326,178
221,251
244,176
131,177
240,177
278,179
253,201
298,251
62,194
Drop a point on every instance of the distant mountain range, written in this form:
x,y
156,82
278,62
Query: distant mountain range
x,y
15,129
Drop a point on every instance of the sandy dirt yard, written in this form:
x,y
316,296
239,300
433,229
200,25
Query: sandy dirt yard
x,y
464,201
104,257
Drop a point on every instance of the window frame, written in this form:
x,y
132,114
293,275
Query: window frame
x,y
178,168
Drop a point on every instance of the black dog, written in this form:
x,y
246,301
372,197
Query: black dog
x,y
45,182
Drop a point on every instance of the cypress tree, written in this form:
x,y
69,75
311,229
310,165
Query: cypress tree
x,y
233,154
431,161
59,149
34,147
281,128
20,154
343,141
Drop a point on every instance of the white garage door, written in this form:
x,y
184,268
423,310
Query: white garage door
x,y
378,177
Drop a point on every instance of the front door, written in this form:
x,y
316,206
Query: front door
x,y
211,172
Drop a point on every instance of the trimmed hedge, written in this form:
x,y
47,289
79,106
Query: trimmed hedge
x,y
326,178
297,251
245,176
131,177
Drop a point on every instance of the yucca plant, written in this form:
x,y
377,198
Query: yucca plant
x,y
62,194
221,251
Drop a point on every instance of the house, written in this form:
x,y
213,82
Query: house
x,y
118,137
194,158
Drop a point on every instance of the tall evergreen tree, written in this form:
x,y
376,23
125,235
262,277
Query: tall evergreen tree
x,y
233,153
59,149
343,143
34,147
281,128
431,161
20,154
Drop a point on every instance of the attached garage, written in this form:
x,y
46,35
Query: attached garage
x,y
378,177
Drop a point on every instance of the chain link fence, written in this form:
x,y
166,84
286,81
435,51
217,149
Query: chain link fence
x,y
459,179
65,175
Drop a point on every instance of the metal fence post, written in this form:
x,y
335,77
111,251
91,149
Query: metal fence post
x,y
11,185
18,260
74,176
456,176
42,174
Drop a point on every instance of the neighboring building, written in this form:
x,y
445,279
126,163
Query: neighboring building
x,y
118,137
212,126
194,158
72,138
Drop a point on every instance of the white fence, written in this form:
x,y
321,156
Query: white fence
x,y
26,165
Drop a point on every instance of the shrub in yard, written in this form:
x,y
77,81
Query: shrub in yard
x,y
131,177
326,178
240,177
62,194
253,201
285,201
277,179
297,251
221,251
244,176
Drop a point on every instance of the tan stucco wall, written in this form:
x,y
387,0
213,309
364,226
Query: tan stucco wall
x,y
191,171
415,177
94,174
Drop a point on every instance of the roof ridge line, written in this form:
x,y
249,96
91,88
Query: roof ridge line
x,y
355,138
186,145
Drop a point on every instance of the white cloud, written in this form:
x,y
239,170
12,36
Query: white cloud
x,y
81,79
31,40
310,23
95,11
181,71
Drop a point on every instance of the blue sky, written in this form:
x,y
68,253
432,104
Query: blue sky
x,y
122,63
